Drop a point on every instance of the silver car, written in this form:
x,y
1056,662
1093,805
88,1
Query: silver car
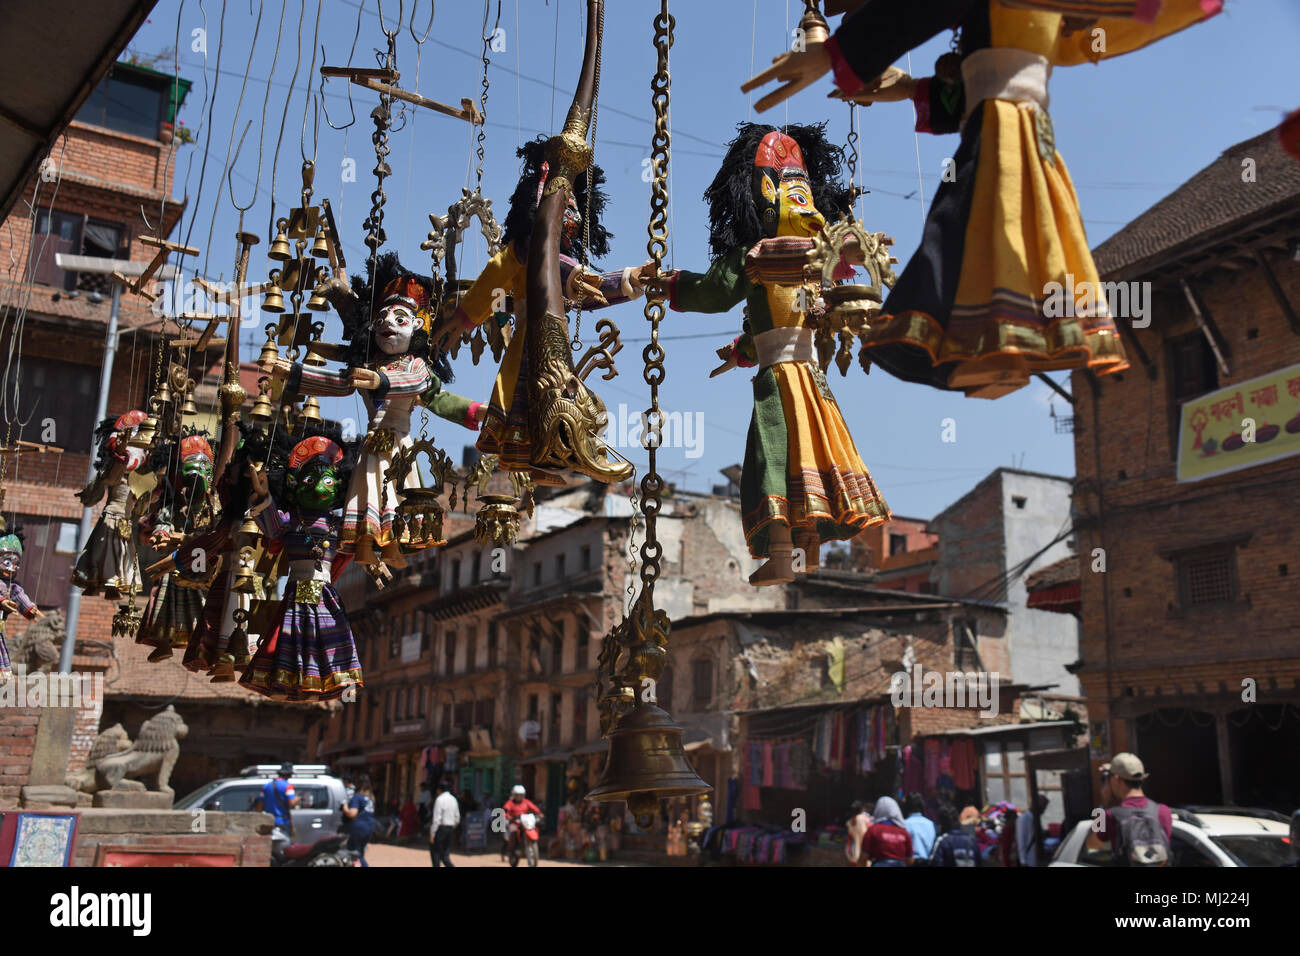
x,y
320,797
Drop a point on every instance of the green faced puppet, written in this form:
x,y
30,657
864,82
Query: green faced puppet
x,y
313,480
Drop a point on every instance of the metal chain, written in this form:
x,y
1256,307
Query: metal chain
x,y
657,247
852,147
382,116
485,83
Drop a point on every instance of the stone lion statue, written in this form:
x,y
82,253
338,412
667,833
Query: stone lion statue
x,y
153,754
37,648
110,742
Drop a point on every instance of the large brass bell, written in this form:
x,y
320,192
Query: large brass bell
x,y
318,302
646,763
274,301
280,247
164,394
250,529
270,353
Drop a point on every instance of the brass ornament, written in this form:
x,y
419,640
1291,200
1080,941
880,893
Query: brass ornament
x,y
849,307
497,522
232,395
417,520
127,619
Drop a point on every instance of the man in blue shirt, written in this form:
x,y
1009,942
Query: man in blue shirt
x,y
279,800
921,828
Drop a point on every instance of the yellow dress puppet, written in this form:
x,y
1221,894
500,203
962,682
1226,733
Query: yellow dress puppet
x,y
803,481
1003,284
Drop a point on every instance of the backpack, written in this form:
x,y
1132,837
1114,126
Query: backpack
x,y
1142,840
956,848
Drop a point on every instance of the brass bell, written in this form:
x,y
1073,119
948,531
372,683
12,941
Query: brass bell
x,y
263,410
274,301
164,394
189,408
646,763
249,528
318,302
145,434
245,579
280,247
310,411
223,671
270,353
321,247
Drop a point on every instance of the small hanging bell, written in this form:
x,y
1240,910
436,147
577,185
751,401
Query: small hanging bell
x,y
249,528
280,247
245,579
189,408
270,352
321,247
318,302
310,411
274,301
164,394
145,434
263,411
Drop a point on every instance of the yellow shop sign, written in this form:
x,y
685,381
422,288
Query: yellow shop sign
x,y
1240,426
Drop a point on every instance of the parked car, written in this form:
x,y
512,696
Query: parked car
x,y
320,797
1202,836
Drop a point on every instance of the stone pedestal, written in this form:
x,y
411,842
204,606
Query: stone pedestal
x,y
48,797
121,799
120,837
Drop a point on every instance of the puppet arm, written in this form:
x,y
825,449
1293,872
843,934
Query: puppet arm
x,y
449,405
724,286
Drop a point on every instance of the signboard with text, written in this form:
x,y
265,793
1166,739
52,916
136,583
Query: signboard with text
x,y
1240,426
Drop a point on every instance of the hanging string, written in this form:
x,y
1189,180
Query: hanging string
x,y
284,114
590,174
351,109
920,180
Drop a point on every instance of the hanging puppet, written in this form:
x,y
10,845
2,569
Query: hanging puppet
x,y
108,562
389,360
309,652
506,430
803,481
182,505
12,596
984,302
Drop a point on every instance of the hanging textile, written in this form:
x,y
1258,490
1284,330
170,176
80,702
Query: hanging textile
x,y
782,756
755,775
800,764
931,764
963,763
913,769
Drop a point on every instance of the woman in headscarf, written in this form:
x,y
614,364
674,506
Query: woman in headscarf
x,y
888,843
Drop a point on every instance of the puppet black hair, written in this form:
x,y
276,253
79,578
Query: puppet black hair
x,y
103,432
282,445
356,324
733,216
523,204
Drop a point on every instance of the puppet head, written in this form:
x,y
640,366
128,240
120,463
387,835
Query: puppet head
x,y
394,315
11,553
193,475
312,478
528,194
774,183
113,436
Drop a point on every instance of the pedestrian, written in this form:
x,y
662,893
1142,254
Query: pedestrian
x,y
446,817
1138,829
279,800
360,816
1008,855
1029,827
922,829
410,820
957,845
859,823
425,806
888,843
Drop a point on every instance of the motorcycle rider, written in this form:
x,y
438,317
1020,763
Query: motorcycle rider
x,y
517,806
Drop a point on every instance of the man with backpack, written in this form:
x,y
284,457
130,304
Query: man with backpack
x,y
1138,828
957,845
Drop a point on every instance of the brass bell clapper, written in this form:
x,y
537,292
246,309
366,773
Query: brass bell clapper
x,y
647,762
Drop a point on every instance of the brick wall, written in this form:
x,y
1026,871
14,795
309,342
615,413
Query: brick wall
x,y
17,740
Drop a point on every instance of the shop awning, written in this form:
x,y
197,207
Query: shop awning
x,y
1063,598
380,756
547,756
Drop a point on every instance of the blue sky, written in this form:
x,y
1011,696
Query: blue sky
x,y
1130,129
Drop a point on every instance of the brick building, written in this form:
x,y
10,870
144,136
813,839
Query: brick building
x,y
902,552
115,159
1187,531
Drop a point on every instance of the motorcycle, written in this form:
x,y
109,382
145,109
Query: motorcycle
x,y
327,851
523,830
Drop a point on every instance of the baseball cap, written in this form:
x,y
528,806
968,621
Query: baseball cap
x,y
1127,766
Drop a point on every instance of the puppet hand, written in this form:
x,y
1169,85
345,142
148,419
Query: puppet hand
x,y
444,333
656,286
639,277
480,413
280,368
9,605
584,286
258,478
892,86
90,494
801,70
363,378
726,366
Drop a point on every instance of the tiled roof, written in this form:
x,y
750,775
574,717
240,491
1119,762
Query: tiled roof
x,y
1215,200
1061,572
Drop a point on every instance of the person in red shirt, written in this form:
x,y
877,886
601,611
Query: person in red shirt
x,y
888,843
516,807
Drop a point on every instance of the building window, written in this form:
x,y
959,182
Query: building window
x,y
478,567
445,728
64,392
424,638
449,653
471,648
424,702
484,712
534,705
557,649
897,544
128,102
455,574
49,552
557,704
492,643
586,557
537,573
559,567
701,683
1005,772
664,692
78,235
464,715
1192,372
581,657
1207,576
965,645
579,717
